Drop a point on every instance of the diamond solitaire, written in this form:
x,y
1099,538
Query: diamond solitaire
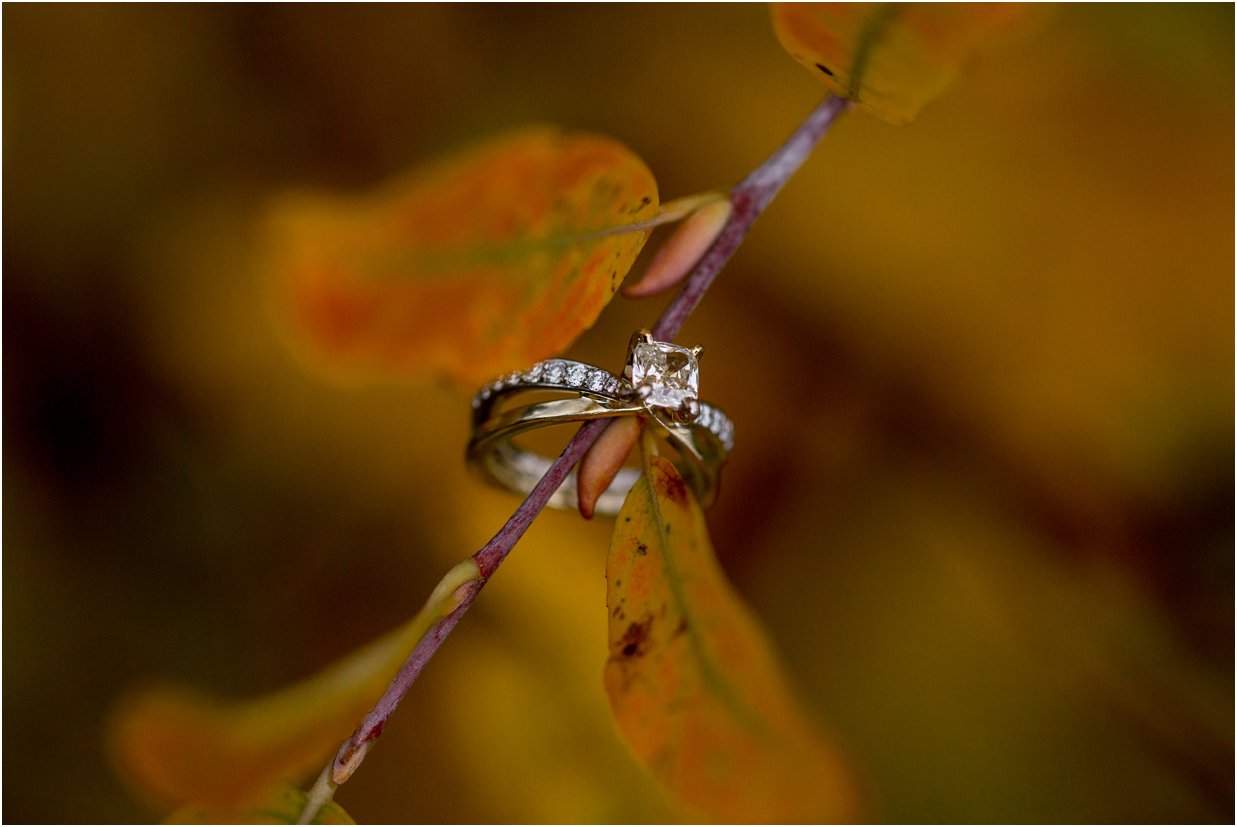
x,y
666,376
658,386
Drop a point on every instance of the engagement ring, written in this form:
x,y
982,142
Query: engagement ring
x,y
659,383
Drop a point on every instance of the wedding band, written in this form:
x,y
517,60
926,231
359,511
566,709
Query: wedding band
x,y
663,392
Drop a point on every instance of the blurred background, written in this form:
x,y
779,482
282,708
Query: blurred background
x,y
981,369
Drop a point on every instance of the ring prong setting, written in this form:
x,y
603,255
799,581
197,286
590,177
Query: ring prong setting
x,y
665,376
640,337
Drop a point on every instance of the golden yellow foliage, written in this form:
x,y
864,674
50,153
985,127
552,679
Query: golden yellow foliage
x,y
284,806
179,746
695,687
889,58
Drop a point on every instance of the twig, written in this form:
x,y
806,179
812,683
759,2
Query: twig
x,y
750,197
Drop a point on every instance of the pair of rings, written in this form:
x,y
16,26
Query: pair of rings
x,y
660,383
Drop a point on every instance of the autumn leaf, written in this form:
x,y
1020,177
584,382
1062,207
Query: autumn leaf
x,y
284,806
602,462
891,59
485,261
694,685
682,250
179,746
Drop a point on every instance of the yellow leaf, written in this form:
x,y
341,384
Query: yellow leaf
x,y
486,261
695,687
179,746
284,806
889,58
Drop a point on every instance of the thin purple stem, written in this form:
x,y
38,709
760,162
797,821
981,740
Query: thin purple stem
x,y
749,197
488,558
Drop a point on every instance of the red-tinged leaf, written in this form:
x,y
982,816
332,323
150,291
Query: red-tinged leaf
x,y
891,59
284,806
693,682
179,746
486,261
680,252
603,461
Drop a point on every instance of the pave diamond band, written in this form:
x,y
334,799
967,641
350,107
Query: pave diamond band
x,y
555,374
567,375
663,393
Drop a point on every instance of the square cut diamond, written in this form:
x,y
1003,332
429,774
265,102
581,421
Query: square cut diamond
x,y
670,372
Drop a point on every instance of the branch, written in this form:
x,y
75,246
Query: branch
x,y
749,197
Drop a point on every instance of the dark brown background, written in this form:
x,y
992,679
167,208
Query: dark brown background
x,y
981,370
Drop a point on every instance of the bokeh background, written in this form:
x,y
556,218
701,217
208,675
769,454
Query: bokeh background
x,y
981,369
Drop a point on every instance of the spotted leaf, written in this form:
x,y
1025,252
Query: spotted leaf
x,y
891,59
694,685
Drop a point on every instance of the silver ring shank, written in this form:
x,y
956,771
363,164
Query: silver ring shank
x,y
521,470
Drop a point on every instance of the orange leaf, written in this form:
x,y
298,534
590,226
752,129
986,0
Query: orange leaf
x,y
486,261
283,807
695,687
889,58
603,461
179,746
682,250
